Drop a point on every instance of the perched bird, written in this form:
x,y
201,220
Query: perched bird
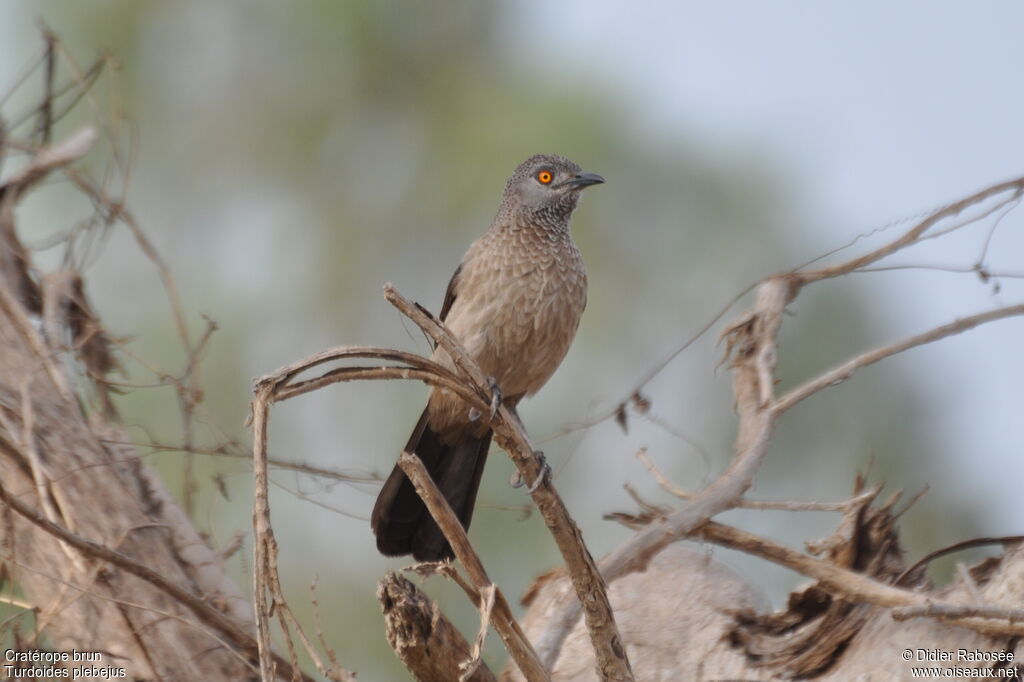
x,y
514,304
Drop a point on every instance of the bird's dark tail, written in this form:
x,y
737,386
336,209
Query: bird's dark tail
x,y
401,520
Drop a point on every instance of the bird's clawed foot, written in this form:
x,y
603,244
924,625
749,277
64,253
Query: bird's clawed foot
x,y
496,398
545,473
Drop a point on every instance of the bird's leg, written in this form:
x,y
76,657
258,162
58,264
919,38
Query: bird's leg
x,y
515,415
496,396
545,470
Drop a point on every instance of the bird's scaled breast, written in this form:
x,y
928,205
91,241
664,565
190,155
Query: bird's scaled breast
x,y
518,308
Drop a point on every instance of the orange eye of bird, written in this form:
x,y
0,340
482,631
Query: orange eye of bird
x,y
545,177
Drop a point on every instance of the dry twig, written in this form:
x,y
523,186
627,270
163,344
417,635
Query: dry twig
x,y
845,371
492,603
421,636
860,588
470,385
269,595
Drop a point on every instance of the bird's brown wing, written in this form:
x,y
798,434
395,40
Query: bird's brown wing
x,y
450,295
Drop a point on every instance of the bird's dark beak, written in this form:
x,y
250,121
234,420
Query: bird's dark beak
x,y
584,180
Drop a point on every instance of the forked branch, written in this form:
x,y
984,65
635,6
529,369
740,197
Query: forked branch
x,y
469,383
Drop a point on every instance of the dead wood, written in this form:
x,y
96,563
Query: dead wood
x,y
422,637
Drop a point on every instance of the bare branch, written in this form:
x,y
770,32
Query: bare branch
x,y
501,616
414,367
590,589
956,547
469,667
269,596
975,269
860,588
844,371
265,542
50,158
766,505
1008,204
913,235
959,612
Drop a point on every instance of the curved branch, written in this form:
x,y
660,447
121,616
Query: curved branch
x,y
590,588
913,235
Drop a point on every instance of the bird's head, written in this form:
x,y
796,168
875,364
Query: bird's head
x,y
546,187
